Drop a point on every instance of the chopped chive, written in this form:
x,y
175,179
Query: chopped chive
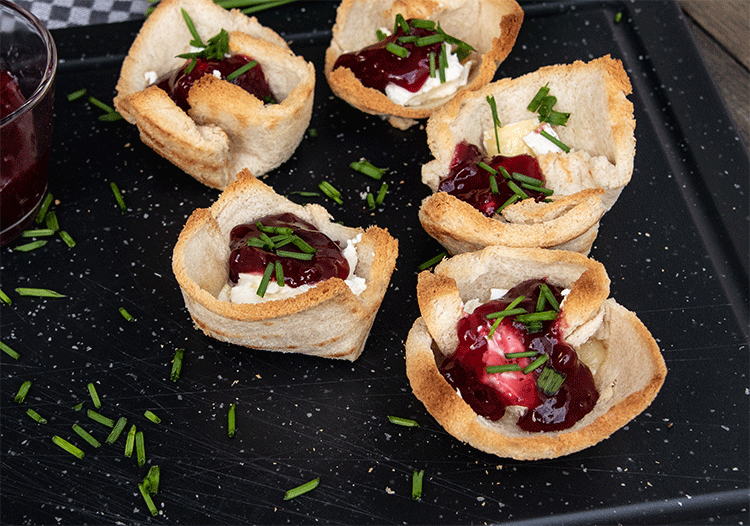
x,y
432,261
10,352
279,273
255,242
540,189
618,17
408,39
176,364
423,24
94,395
556,118
191,65
509,310
42,293
109,117
294,255
117,430
302,489
267,241
517,190
305,193
523,354
442,63
403,421
535,364
402,23
521,178
433,67
493,185
503,368
546,315
550,381
38,232
51,221
330,191
429,40
151,480
265,280
241,71
416,484
22,392
67,446
550,296
151,416
503,172
78,406
231,421
370,201
130,442
125,314
118,196
149,501
140,447
557,142
101,105
191,28
266,5
36,416
495,119
381,194
397,50
97,417
28,247
86,436
512,199
381,36
312,132
484,166
546,106
367,168
282,230
76,94
537,100
494,327
66,238
5,298
43,209
303,245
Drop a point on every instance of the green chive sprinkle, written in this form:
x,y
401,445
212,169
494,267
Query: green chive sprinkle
x,y
442,63
117,430
370,201
36,416
537,100
109,117
550,381
330,191
5,298
402,23
367,168
546,315
242,70
118,196
102,106
97,417
279,273
429,40
495,119
94,395
86,436
22,392
557,142
78,406
381,36
266,5
300,490
67,446
76,94
618,17
263,286
126,314
509,310
381,194
151,416
10,352
28,247
151,481
493,185
38,232
407,39
43,209
303,246
416,484
397,50
231,422
295,255
42,293
176,364
535,364
130,442
433,67
149,501
522,354
512,199
517,190
140,448
487,167
403,421
546,291
556,118
312,132
423,24
66,238
304,193
433,261
493,369
191,28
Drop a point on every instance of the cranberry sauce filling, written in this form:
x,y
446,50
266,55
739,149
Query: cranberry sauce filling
x,y
327,261
178,83
376,67
471,183
489,394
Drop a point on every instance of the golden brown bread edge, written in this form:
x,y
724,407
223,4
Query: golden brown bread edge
x,y
328,320
628,379
587,181
490,26
226,129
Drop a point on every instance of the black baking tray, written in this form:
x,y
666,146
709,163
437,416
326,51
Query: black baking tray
x,y
675,246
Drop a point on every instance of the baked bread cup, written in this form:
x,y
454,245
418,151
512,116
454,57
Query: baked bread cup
x,y
327,320
625,360
489,26
586,181
226,128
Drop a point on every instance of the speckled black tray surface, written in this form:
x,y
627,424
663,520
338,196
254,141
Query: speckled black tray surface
x,y
675,246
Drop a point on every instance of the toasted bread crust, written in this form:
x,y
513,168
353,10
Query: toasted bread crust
x,y
226,128
490,26
628,379
301,323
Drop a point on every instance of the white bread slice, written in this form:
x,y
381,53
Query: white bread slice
x,y
490,26
226,129
628,377
600,133
327,320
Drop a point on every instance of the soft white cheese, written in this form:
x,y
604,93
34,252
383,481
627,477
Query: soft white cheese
x,y
522,137
151,77
245,291
540,144
456,75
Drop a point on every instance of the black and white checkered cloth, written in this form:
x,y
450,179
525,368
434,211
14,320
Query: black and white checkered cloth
x,y
64,13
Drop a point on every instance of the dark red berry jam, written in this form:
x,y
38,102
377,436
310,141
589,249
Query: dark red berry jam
x,y
471,183
328,260
489,394
178,83
376,67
